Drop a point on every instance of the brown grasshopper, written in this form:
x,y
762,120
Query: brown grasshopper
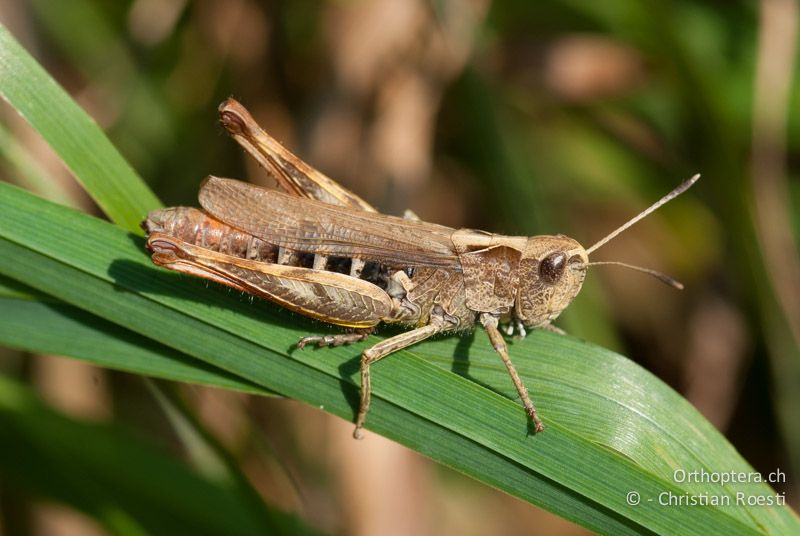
x,y
324,252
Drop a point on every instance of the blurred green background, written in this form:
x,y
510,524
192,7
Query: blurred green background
x,y
514,117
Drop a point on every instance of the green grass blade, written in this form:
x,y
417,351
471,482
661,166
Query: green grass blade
x,y
73,135
117,477
10,288
613,427
27,171
75,333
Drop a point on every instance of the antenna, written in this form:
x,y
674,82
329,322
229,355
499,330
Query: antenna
x,y
685,185
664,278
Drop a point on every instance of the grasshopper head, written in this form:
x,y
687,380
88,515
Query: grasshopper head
x,y
551,273
552,268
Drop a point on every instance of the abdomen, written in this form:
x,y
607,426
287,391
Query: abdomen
x,y
195,227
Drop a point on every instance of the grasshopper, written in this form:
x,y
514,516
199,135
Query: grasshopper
x,y
322,251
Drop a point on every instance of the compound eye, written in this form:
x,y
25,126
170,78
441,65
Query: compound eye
x,y
551,267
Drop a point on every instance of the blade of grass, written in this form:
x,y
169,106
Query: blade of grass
x,y
28,173
613,427
14,289
80,463
77,139
76,333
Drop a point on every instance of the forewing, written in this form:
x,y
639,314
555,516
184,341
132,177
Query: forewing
x,y
293,175
316,227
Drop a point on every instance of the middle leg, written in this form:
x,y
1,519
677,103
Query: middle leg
x,y
489,323
381,350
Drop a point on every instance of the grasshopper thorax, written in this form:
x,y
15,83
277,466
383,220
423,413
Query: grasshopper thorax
x,y
551,273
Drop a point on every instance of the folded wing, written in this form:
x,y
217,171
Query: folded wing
x,y
315,227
